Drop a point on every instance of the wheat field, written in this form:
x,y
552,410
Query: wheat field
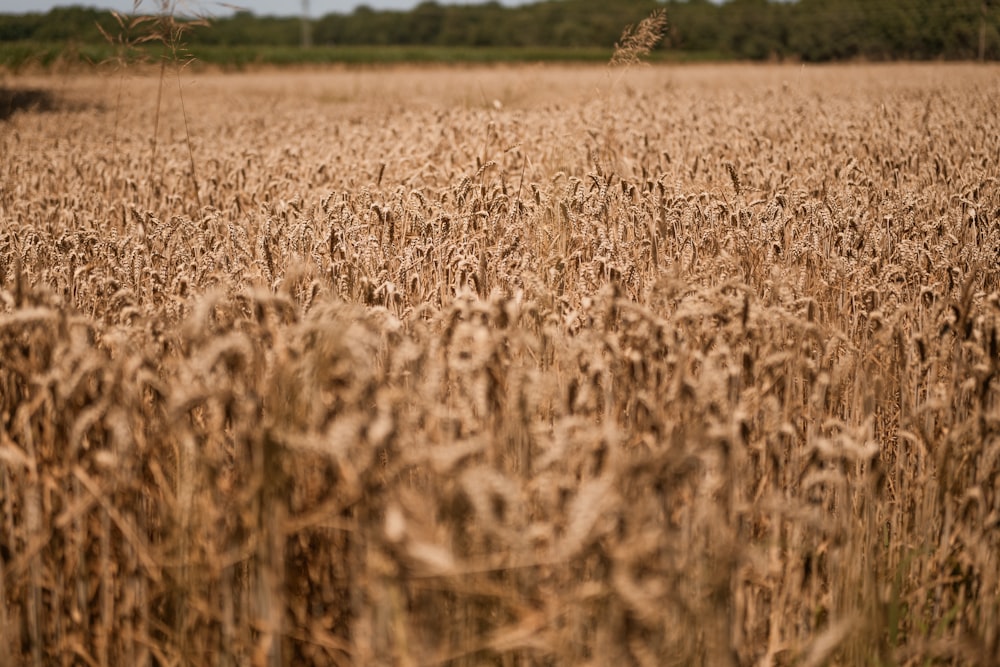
x,y
536,365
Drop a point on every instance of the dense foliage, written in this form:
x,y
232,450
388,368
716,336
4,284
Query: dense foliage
x,y
811,30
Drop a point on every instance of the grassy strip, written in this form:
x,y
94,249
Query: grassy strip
x,y
21,54
18,55
240,56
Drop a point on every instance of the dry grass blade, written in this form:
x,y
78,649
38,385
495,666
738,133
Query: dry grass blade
x,y
638,41
822,648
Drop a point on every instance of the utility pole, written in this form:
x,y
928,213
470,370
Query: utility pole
x,y
306,27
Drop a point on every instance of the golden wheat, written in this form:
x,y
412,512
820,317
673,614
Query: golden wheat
x,y
701,369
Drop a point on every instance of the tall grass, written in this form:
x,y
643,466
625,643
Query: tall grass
x,y
703,371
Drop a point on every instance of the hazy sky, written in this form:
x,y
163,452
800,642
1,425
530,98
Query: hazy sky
x,y
220,8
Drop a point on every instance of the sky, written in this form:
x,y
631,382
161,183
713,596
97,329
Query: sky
x,y
223,8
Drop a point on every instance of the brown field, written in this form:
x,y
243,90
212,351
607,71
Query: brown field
x,y
502,366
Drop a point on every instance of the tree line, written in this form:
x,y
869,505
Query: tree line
x,y
808,30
